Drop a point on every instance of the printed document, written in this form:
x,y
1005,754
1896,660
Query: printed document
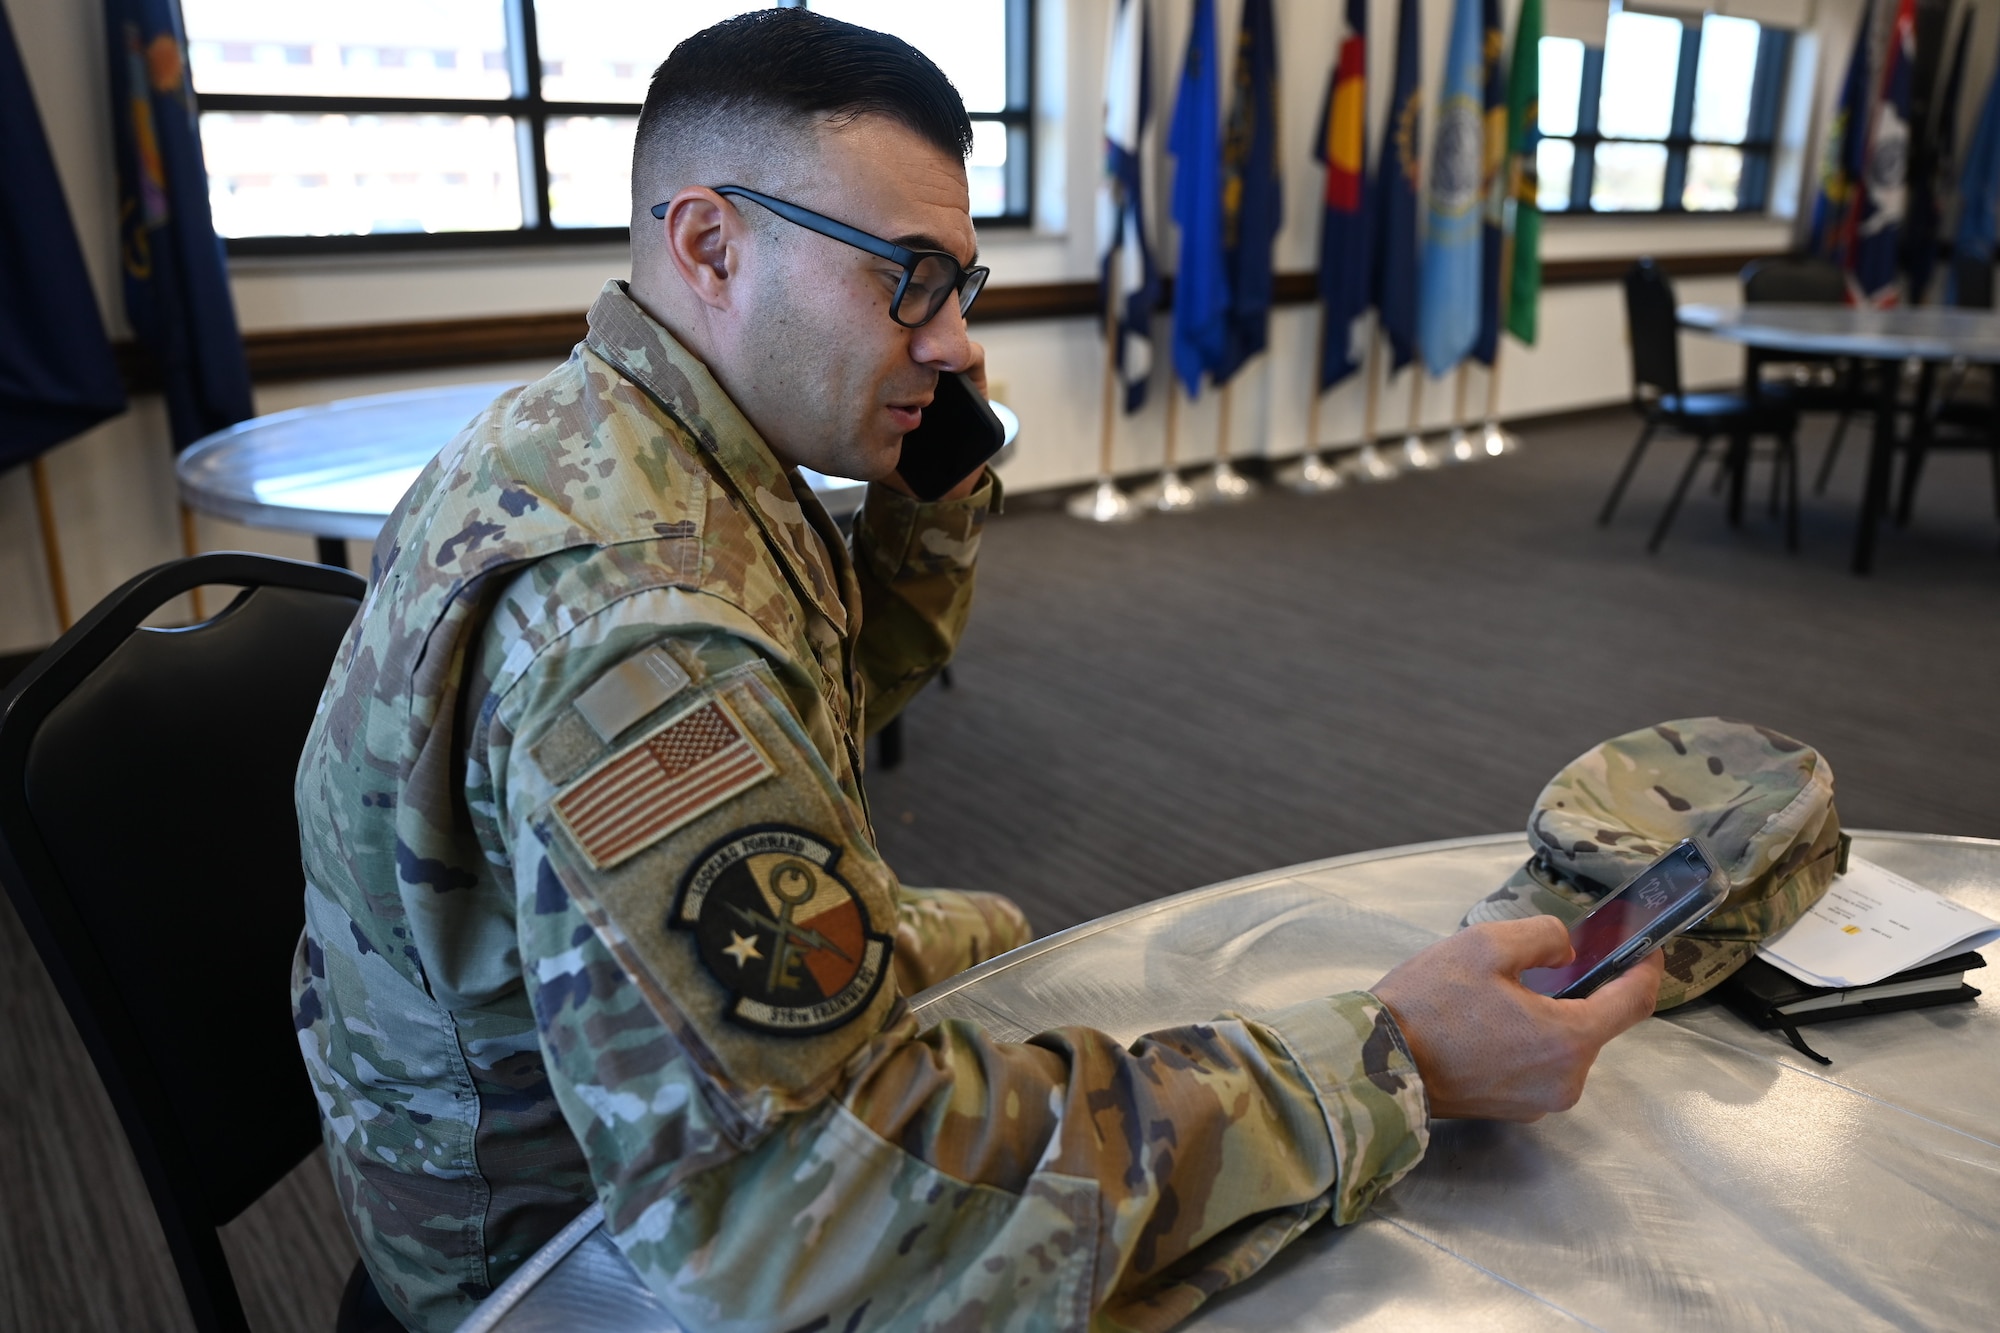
x,y
1872,924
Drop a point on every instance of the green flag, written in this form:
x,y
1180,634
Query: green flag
x,y
1524,85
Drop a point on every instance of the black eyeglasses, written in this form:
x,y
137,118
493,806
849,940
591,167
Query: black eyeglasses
x,y
929,276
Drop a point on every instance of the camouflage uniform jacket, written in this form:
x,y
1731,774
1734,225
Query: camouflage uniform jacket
x,y
594,909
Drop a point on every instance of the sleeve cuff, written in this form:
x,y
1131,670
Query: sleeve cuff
x,y
1368,1088
897,532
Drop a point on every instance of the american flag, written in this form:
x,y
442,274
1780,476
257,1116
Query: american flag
x,y
688,766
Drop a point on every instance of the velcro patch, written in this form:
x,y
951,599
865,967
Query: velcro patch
x,y
629,691
684,767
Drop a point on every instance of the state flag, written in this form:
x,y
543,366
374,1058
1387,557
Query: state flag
x,y
1449,287
1125,257
1396,188
1341,145
1201,288
57,374
176,281
1252,189
1493,188
1883,199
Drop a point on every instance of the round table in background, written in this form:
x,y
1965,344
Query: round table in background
x,y
1711,1177
1885,338
335,470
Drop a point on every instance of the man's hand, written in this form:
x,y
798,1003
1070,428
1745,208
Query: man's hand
x,y
977,370
1488,1047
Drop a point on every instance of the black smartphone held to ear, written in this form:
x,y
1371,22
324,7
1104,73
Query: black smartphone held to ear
x,y
1675,892
958,433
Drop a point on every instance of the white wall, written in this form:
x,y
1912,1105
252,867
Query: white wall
x,y
114,490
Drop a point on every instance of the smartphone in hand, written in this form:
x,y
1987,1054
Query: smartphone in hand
x,y
958,433
1675,892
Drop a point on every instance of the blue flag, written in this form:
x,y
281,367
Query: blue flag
x,y
1450,284
176,283
1344,247
1131,279
1840,169
1252,193
1201,289
57,374
1884,196
1930,184
1979,186
1493,185
1396,196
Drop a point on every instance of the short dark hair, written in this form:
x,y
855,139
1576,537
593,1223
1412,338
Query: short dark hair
x,y
795,63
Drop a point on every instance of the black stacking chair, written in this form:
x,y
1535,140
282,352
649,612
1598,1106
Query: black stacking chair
x,y
148,839
1809,383
1954,419
1661,402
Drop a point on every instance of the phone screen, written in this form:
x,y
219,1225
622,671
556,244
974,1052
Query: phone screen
x,y
1670,895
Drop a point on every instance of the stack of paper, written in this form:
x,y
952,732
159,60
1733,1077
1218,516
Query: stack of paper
x,y
1872,924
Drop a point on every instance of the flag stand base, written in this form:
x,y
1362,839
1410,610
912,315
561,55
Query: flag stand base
x,y
1312,475
1371,464
1169,495
1103,503
1495,440
1460,448
1417,455
1224,484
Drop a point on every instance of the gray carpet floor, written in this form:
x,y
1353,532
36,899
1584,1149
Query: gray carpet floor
x,y
1146,709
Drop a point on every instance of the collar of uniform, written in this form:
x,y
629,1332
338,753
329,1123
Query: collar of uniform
x,y
649,356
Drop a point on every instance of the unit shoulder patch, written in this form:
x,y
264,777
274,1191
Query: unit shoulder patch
x,y
781,931
686,766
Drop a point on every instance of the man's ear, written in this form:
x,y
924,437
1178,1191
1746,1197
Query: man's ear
x,y
704,239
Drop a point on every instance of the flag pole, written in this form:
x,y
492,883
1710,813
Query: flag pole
x,y
1318,391
1370,463
1311,475
1458,448
1104,502
45,510
1494,439
1416,453
1374,370
1225,483
1169,494
1108,427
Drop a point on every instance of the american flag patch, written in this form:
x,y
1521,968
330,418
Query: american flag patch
x,y
688,765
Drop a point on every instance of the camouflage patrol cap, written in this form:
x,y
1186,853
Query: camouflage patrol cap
x,y
1761,803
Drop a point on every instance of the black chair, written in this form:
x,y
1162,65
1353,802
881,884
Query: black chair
x,y
1661,402
1809,383
148,840
1952,418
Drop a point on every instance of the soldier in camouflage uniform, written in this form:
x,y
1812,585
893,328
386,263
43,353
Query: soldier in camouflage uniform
x,y
594,908
1760,802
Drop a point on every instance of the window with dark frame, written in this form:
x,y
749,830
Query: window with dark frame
x,y
1669,115
380,125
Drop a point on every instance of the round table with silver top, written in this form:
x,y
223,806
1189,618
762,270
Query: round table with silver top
x,y
1933,333
1886,338
335,470
1711,1177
